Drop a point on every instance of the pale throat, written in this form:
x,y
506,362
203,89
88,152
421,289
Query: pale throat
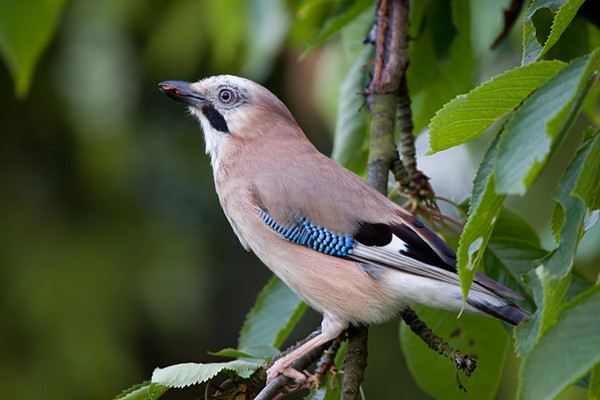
x,y
214,139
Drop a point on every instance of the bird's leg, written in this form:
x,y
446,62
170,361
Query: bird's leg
x,y
283,365
331,327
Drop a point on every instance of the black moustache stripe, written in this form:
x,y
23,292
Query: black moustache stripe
x,y
215,118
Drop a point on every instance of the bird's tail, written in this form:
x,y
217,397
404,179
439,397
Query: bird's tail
x,y
497,307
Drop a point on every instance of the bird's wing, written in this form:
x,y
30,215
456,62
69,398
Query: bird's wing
x,y
400,246
391,246
347,218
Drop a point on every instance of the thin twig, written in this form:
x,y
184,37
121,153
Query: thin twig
x,y
510,16
382,92
328,358
463,362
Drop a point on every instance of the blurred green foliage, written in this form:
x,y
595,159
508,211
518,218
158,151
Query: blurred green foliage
x,y
26,28
115,257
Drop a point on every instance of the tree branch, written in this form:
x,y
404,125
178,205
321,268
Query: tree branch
x,y
418,183
386,93
382,99
382,92
462,361
328,357
355,362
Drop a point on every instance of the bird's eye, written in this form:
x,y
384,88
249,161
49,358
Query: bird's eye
x,y
226,96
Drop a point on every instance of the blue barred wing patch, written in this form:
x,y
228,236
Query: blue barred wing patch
x,y
313,236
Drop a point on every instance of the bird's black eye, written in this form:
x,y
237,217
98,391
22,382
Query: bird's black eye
x,y
226,96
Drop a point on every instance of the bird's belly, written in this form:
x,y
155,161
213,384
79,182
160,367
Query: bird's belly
x,y
327,283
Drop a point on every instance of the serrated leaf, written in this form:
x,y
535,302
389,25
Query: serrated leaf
x,y
591,105
512,249
566,352
143,391
573,207
539,124
344,12
26,29
483,212
274,315
480,336
550,280
549,296
467,116
351,139
441,60
564,10
587,186
186,374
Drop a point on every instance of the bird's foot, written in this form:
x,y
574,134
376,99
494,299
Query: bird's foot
x,y
313,381
282,367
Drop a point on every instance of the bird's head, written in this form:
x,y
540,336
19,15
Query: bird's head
x,y
231,108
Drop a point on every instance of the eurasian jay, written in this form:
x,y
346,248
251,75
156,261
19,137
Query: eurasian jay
x,y
348,251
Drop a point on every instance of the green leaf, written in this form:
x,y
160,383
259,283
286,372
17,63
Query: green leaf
x,y
274,315
441,60
580,38
566,352
466,116
538,126
143,391
344,12
549,295
479,336
186,374
511,252
591,105
550,280
573,207
258,353
564,10
26,29
594,390
483,213
513,227
556,221
587,186
351,139
327,392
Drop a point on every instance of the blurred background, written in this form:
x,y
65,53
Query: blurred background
x,y
115,256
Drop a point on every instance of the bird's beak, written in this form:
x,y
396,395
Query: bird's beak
x,y
181,91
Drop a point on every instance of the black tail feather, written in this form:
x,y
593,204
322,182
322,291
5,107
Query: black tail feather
x,y
502,309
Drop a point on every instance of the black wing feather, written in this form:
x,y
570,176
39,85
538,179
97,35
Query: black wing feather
x,y
380,235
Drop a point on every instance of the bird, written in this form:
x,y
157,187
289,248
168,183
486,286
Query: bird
x,y
345,249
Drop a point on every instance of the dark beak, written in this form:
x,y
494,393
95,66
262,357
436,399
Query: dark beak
x,y
181,91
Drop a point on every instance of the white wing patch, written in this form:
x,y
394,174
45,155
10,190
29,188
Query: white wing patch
x,y
396,245
391,256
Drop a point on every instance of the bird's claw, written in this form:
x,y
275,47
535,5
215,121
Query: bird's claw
x,y
313,381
